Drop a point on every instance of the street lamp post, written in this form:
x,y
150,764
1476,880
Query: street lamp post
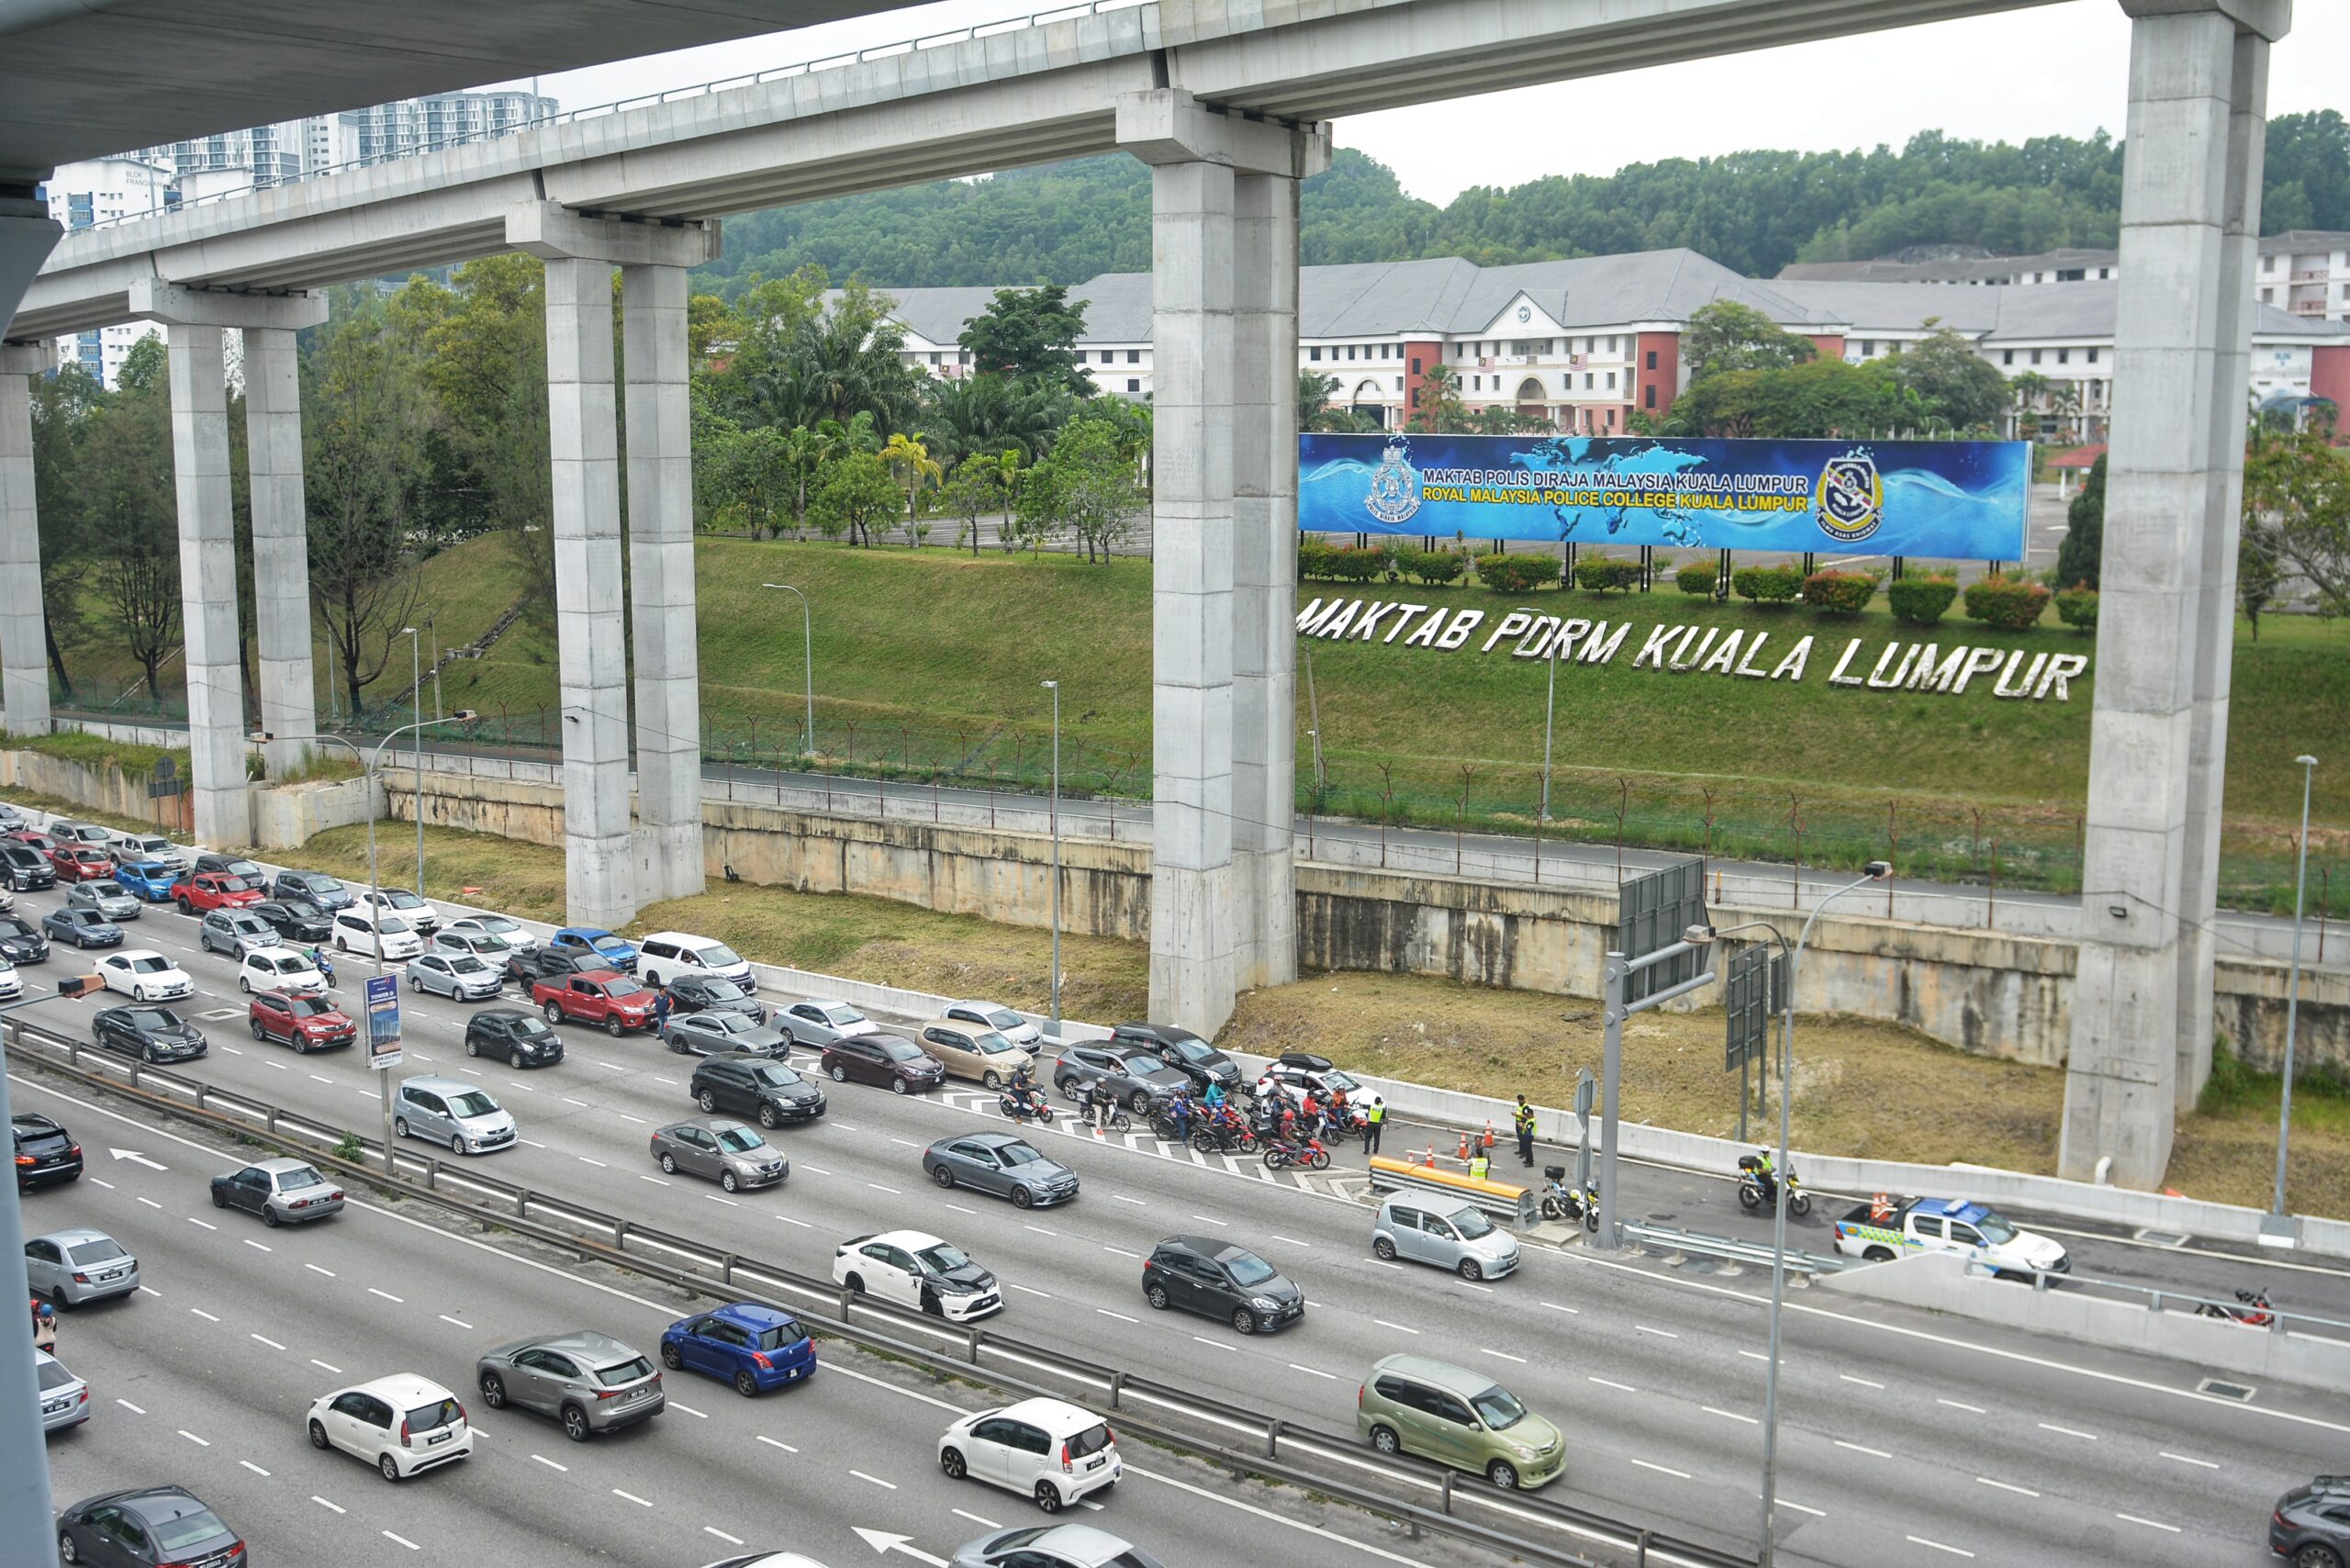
x,y
415,705
1055,818
2276,1228
1877,871
807,659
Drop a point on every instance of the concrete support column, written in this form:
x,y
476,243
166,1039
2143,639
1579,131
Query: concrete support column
x,y
23,649
281,545
2141,999
1208,921
194,320
602,881
1264,601
661,583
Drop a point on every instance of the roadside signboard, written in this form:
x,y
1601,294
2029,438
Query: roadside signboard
x,y
1746,1004
383,1022
1653,912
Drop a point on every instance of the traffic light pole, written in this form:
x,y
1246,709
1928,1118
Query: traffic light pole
x,y
1619,970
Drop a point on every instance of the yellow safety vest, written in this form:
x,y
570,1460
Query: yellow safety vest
x,y
1477,1169
1376,1114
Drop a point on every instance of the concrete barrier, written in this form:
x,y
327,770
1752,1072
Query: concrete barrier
x,y
1512,1205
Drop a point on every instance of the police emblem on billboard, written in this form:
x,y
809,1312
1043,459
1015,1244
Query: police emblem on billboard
x,y
1394,487
1851,500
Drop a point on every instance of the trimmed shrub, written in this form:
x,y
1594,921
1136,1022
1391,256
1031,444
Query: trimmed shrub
x,y
1518,574
1432,566
1832,592
1921,601
2076,607
1314,559
1767,585
1349,565
1699,579
1599,574
2011,604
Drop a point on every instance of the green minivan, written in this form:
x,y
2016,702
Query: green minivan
x,y
1465,1419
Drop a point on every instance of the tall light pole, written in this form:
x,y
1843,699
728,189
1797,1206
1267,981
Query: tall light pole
x,y
416,704
1055,687
1877,872
1550,707
807,659
2277,1227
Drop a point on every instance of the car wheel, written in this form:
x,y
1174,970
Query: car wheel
x,y
1138,1103
613,1026
574,1424
708,1102
840,1073
855,1283
993,1078
390,1467
152,1059
1503,1473
217,1201
1470,1270
456,1143
472,1046
951,1461
2316,1556
942,1176
677,1044
301,1044
259,1032
399,1127
1384,1438
1022,1197
269,1217
768,1118
138,993
1244,1320
493,1391
726,1180
671,1359
746,1385
897,1085
552,1014
668,1165
1048,1497
183,907
66,1550
1157,1296
1877,1255
929,1303
318,1436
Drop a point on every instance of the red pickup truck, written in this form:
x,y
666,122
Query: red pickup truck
x,y
599,996
208,891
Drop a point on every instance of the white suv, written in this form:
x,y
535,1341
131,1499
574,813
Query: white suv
x,y
666,955
400,1424
353,934
1045,1449
280,969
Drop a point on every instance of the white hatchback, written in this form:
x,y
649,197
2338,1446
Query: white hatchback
x,y
353,934
400,1424
143,975
280,969
1044,1449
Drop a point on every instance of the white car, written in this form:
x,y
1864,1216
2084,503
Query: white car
x,y
280,969
145,976
818,1022
1045,1449
480,944
461,976
361,931
493,925
131,846
666,955
400,1424
400,901
994,1015
12,984
912,1269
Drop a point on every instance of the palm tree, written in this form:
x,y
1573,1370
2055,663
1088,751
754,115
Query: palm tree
x,y
911,462
2027,390
2065,402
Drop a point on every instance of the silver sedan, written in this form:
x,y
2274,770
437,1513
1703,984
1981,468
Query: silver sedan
x,y
282,1190
108,897
713,1033
72,1267
461,976
723,1151
64,1398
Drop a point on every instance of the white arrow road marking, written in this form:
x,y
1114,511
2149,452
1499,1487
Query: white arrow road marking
x,y
883,1542
136,1158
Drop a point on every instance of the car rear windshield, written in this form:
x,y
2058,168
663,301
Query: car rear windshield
x,y
900,1050
107,890
188,1529
473,1102
106,1249
54,1375
401,898
391,924
1092,1440
319,884
437,1414
1498,1408
739,1140
730,1023
295,1181
620,1372
781,1335
1247,1268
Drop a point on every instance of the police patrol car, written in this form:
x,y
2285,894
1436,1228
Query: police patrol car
x,y
1887,1228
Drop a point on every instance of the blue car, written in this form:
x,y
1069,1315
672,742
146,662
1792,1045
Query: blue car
x,y
82,927
754,1348
148,879
608,948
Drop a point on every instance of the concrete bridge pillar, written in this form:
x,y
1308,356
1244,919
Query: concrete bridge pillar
x,y
1223,259
604,884
23,649
289,707
193,321
2190,209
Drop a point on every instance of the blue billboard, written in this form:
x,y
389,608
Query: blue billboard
x,y
1947,500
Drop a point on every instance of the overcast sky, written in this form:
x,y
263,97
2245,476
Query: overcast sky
x,y
2056,69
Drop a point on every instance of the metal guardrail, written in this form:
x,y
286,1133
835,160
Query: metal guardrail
x,y
967,1351
1806,1263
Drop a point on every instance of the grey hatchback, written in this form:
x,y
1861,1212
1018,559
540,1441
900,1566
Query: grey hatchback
x,y
724,1151
589,1382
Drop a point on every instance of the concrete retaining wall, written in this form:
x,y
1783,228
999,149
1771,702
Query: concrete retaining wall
x,y
1943,1282
287,816
102,788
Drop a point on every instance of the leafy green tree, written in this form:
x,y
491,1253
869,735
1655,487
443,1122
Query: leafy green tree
x,y
855,497
63,407
132,512
2080,556
1727,336
1952,382
1030,334
1088,485
1824,399
991,413
363,421
1440,409
2297,503
981,487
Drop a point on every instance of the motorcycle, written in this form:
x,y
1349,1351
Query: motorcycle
x,y
1020,1107
1562,1201
1164,1125
1307,1152
2253,1311
1757,1188
1221,1135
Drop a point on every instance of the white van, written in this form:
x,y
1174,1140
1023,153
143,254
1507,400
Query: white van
x,y
666,955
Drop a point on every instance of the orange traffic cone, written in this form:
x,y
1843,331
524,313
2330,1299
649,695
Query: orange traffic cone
x,y
1463,1155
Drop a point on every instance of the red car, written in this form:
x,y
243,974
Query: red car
x,y
305,1023
599,996
208,891
80,863
36,838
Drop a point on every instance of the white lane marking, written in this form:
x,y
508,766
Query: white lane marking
x,y
1210,1219
256,1469
614,1066
316,1269
151,1202
126,1405
1570,1311
1856,1447
2005,1486
983,1524
1659,1333
961,1210
321,1077
144,1291
2068,1433
204,1315
1316,1372
1119,1250
322,1503
1483,1290
257,1246
192,1220
2150,1524
2184,1458
1119,1315
386,1295
1502,1355
597,1163
191,1437
670,1082
773,1444
1798,1507
626,1117
328,1365
1754,1355
1728,1415
551,1465
879,1188
687,1409
1938,1546
1397,1327
1217,1343
569,1101
1604,1383
402,1539
103,1182
446,1318
907,1142
632,1497
271,1343
1292,1241
1975,1409
800,1223
1041,1231
1665,1469
890,1486
728,1540
1025,1291
1119,1197
817,1169
654,1179
1864,1382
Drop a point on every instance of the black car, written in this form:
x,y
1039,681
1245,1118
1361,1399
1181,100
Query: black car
x,y
514,1037
1217,1279
707,993
2311,1527
153,1033
1182,1050
231,865
26,869
45,1153
527,966
146,1528
84,928
314,886
755,1086
19,943
297,920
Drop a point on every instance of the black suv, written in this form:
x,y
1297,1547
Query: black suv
x,y
709,994
2311,1527
311,887
297,920
153,1034
514,1037
19,943
1217,1279
26,869
756,1086
1184,1051
45,1151
230,865
526,966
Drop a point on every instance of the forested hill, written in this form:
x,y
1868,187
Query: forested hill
x,y
1754,211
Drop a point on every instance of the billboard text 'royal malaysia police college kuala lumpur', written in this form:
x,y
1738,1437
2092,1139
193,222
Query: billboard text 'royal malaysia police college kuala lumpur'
x,y
1935,499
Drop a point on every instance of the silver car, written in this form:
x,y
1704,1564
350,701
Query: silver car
x,y
498,925
726,1152
713,1033
451,942
589,1382
818,1023
995,1016
1052,1546
1452,1233
149,846
73,1267
458,976
64,1398
450,1111
282,1190
236,932
109,897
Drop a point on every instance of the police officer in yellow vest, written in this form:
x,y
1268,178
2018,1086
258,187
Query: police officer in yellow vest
x,y
1478,1165
1374,1117
1523,1120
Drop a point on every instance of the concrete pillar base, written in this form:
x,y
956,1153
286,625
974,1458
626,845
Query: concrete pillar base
x,y
281,548
24,648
